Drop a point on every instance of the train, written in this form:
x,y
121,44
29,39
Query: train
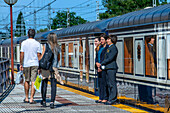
x,y
142,75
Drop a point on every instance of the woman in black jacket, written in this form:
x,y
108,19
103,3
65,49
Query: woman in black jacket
x,y
101,74
110,65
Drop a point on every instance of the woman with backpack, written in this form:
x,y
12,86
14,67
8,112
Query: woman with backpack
x,y
48,65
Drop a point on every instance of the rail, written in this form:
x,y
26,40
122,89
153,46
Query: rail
x,y
4,74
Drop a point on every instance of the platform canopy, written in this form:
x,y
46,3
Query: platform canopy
x,y
147,16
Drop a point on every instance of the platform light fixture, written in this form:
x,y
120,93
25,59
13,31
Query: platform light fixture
x,y
11,2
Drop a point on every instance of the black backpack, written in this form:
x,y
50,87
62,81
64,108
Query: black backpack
x,y
47,59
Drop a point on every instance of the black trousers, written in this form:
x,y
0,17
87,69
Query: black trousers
x,y
44,88
103,92
112,85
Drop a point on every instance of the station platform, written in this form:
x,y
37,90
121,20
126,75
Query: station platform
x,y
68,100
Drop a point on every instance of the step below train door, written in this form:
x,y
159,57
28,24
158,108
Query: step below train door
x,y
139,56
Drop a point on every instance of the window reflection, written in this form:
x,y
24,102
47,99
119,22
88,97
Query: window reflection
x,y
128,55
150,56
63,54
70,52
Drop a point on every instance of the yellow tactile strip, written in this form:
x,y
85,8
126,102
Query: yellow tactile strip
x,y
121,106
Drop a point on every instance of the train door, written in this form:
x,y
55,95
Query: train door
x,y
139,56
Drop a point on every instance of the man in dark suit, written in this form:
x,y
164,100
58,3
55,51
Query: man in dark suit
x,y
109,64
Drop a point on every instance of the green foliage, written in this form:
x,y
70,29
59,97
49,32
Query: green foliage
x,y
20,26
60,20
42,30
120,7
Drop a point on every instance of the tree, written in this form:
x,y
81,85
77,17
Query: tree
x,y
120,7
60,20
42,30
20,26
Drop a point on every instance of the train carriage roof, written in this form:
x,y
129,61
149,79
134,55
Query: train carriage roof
x,y
148,16
43,35
83,29
6,42
1,42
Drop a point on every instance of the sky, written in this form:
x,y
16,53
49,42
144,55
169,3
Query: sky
x,y
84,8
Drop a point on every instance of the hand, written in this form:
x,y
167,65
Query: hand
x,y
99,70
98,64
21,68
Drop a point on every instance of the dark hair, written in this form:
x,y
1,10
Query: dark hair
x,y
31,33
113,38
98,38
150,37
104,36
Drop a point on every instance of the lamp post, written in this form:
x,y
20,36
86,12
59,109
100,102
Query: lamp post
x,y
11,2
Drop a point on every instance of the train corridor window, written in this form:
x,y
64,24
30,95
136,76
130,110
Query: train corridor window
x,y
150,56
15,54
70,53
128,55
81,58
3,52
63,55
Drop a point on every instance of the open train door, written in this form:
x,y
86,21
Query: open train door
x,y
139,56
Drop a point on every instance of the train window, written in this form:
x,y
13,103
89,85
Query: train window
x,y
15,53
168,55
10,52
3,52
81,54
81,58
63,55
150,56
128,55
70,53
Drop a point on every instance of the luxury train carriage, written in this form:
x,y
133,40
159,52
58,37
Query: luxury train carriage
x,y
143,53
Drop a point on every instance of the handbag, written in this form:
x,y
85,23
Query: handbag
x,y
38,82
19,78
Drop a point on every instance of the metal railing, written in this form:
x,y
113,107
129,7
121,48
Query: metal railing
x,y
4,74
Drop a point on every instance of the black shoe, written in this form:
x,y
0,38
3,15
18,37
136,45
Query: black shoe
x,y
43,103
52,105
97,101
33,102
110,103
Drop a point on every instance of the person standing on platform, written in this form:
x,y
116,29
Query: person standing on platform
x,y
97,44
101,74
29,56
109,64
53,71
